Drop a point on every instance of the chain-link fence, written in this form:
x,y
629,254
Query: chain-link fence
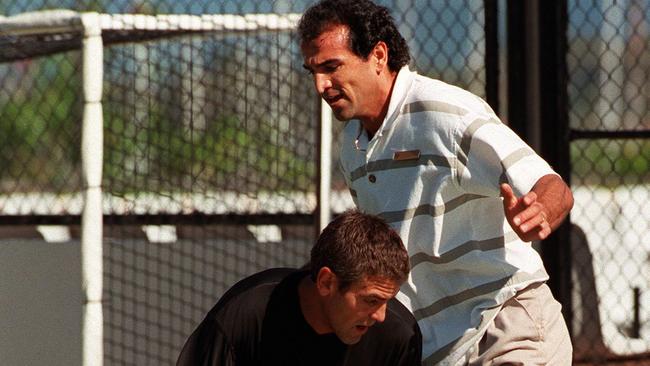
x,y
210,161
609,70
198,128
208,171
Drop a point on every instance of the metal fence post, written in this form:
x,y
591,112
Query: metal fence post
x,y
91,221
537,111
554,133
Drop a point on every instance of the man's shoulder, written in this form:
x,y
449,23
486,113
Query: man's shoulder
x,y
429,89
252,293
425,85
267,277
399,319
234,325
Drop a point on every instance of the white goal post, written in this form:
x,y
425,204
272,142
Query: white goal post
x,y
97,30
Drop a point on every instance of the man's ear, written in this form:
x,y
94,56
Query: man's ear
x,y
380,56
326,282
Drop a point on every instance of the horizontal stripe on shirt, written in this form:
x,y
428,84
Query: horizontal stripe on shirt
x,y
467,338
516,156
459,251
462,296
433,106
389,164
466,141
470,337
431,210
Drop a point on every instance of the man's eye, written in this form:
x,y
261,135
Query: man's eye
x,y
331,68
372,302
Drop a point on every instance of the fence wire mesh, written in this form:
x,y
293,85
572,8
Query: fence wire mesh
x,y
39,141
200,125
209,171
225,125
222,118
195,127
609,70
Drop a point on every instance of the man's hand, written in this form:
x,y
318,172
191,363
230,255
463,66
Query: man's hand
x,y
525,214
535,215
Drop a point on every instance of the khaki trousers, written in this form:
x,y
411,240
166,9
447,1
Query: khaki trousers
x,y
528,330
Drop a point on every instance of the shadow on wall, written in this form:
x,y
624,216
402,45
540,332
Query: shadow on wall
x,y
611,311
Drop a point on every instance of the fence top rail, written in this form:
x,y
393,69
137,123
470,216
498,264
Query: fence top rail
x,y
44,32
61,20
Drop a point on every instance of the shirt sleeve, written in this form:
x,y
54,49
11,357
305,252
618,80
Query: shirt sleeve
x,y
207,346
490,153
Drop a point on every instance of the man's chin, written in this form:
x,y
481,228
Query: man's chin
x,y
351,340
339,117
341,114
354,336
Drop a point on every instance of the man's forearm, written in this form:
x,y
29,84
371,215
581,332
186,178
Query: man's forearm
x,y
556,198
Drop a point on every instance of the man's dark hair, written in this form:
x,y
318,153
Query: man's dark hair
x,y
368,23
357,245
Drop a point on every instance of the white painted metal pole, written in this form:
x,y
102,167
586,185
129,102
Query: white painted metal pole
x,y
91,221
325,186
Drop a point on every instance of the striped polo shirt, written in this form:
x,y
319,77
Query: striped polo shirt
x,y
433,171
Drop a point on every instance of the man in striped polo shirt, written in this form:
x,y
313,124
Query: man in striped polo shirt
x,y
466,194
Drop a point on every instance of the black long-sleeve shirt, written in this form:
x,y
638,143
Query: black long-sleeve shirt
x,y
259,322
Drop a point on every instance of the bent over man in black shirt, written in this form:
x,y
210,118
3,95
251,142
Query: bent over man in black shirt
x,y
339,312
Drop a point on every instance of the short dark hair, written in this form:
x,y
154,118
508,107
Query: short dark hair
x,y
356,245
368,24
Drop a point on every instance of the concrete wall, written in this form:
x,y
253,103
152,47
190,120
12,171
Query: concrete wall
x,y
40,302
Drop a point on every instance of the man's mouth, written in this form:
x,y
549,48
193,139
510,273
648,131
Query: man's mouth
x,y
362,328
332,99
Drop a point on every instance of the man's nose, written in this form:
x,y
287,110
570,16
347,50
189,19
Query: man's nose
x,y
380,314
322,83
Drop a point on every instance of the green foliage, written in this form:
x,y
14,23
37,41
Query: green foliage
x,y
611,162
163,155
40,127
149,150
